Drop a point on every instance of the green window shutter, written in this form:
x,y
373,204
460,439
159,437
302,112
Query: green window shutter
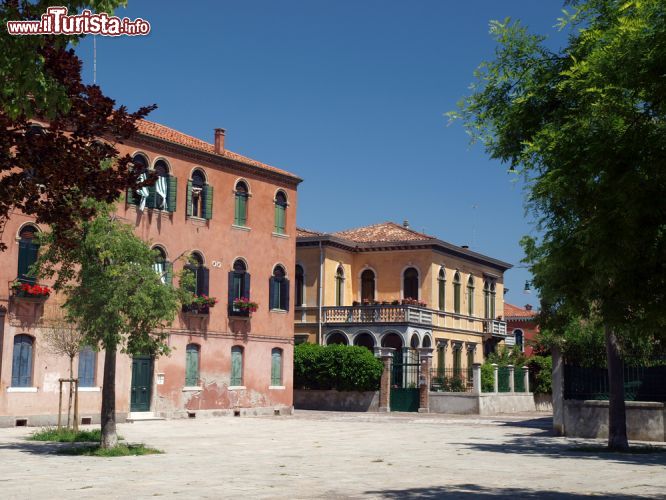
x,y
276,367
151,201
240,210
279,218
208,202
131,198
188,201
236,366
442,303
192,365
441,360
27,257
456,298
172,192
168,273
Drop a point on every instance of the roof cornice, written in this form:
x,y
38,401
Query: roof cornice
x,y
433,244
227,163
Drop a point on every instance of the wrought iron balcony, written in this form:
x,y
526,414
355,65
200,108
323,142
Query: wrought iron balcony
x,y
378,314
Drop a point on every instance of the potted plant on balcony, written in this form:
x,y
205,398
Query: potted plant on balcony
x,y
27,290
200,304
243,306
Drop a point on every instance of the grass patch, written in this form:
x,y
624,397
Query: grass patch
x,y
122,450
633,450
65,435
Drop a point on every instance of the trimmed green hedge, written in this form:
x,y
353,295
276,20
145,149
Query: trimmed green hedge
x,y
341,367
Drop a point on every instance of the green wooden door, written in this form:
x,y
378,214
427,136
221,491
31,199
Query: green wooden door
x,y
142,382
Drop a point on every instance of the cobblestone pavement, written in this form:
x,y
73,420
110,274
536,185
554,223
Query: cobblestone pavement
x,y
334,455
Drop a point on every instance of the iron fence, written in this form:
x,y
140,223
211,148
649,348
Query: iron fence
x,y
503,384
640,383
450,380
519,380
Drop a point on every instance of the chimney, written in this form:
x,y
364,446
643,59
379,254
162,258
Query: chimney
x,y
465,246
219,140
405,224
528,307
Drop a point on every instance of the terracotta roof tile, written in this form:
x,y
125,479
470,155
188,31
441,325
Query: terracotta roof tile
x,y
511,311
165,133
384,232
304,233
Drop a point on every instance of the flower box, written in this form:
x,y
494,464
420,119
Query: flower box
x,y
30,291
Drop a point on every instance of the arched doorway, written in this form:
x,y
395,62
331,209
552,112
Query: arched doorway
x,y
365,340
336,338
392,340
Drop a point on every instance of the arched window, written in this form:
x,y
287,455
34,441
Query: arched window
x,y
22,361
165,188
28,250
441,289
470,296
276,367
162,267
87,365
240,204
339,286
300,286
456,292
365,340
280,212
368,285
192,355
199,196
519,337
201,274
279,290
239,287
410,283
139,197
236,366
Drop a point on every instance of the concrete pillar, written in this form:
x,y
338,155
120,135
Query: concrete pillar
x,y
495,379
476,378
386,355
512,381
558,392
526,378
425,361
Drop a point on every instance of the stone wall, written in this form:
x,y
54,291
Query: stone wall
x,y
460,403
333,400
589,419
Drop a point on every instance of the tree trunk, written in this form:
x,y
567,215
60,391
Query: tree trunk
x,y
69,401
617,418
108,417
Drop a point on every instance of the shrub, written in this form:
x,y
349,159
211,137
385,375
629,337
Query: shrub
x,y
341,367
487,377
541,374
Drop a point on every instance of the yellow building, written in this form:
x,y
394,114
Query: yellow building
x,y
386,285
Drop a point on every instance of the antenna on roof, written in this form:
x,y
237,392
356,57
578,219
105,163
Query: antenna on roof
x,y
405,224
94,59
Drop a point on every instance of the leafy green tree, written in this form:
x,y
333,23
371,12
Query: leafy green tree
x,y
115,296
57,133
585,125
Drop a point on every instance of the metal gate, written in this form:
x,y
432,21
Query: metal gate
x,y
405,381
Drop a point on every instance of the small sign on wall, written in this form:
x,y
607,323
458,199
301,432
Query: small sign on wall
x,y
160,379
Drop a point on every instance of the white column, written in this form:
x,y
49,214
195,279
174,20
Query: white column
x,y
512,381
476,378
526,377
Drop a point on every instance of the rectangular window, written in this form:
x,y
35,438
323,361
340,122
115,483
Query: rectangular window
x,y
457,359
87,367
240,210
22,361
276,366
192,365
456,298
236,366
441,360
280,219
279,294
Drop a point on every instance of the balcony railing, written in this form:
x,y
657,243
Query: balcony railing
x,y
378,314
495,327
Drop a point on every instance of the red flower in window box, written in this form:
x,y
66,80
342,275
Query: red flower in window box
x,y
245,304
27,290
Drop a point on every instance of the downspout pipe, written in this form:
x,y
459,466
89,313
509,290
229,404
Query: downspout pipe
x,y
321,291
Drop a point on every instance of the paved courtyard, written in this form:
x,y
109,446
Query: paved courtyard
x,y
333,455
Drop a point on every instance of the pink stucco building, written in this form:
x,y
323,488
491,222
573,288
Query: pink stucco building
x,y
237,218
